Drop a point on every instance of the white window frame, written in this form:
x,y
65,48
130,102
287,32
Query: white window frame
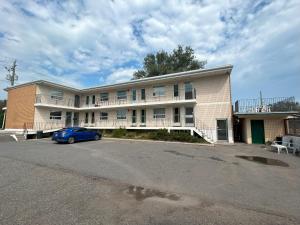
x,y
57,95
122,97
121,114
102,117
53,117
159,91
104,99
159,113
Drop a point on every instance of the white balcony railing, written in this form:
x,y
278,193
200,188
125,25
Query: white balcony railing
x,y
114,100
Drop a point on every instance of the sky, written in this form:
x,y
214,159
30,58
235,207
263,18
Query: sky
x,y
87,43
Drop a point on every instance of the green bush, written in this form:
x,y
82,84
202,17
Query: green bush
x,y
162,135
118,133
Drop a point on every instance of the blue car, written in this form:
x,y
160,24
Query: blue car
x,y
73,134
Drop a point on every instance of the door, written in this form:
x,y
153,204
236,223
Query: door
x,y
133,118
68,119
77,101
76,119
176,116
222,130
143,116
257,131
188,89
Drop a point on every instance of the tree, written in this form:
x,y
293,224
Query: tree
x,y
181,59
285,105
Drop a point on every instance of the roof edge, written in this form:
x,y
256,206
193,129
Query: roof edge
x,y
166,76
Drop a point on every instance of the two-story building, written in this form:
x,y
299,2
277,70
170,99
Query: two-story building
x,y
198,101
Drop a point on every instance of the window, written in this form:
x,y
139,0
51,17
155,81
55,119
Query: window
x,y
133,95
143,94
86,118
87,100
122,95
189,115
176,91
55,115
93,99
103,97
93,117
176,115
188,90
159,91
81,130
57,95
121,114
103,115
159,113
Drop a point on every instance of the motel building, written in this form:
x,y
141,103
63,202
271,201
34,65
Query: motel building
x,y
197,101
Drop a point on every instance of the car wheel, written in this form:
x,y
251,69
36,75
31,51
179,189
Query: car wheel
x,y
97,137
71,140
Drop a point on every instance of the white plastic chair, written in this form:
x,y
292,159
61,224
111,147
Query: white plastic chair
x,y
280,147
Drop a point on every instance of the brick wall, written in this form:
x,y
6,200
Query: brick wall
x,y
20,107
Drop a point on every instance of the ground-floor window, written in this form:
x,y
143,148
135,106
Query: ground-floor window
x,y
86,118
121,114
103,115
189,115
159,113
93,117
55,115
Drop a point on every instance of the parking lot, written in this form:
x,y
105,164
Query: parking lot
x,y
144,182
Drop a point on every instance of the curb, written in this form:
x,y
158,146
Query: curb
x,y
169,142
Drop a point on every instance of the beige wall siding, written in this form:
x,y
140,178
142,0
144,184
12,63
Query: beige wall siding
x,y
213,102
43,122
273,128
45,92
20,107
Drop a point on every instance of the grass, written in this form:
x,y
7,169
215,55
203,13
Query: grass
x,y
160,135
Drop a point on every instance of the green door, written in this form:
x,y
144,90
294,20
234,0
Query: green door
x,y
257,131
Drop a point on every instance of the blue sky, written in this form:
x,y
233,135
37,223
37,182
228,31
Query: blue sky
x,y
92,42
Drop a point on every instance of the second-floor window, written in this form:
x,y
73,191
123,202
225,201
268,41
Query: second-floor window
x,y
122,95
176,90
143,94
87,100
158,91
159,113
103,115
188,88
121,114
57,95
103,97
55,115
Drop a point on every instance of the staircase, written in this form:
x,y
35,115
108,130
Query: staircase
x,y
204,135
202,130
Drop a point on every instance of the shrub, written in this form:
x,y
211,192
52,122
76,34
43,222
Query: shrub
x,y
117,133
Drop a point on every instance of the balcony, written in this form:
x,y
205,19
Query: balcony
x,y
267,105
114,101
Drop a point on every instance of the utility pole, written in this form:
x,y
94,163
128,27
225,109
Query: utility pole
x,y
12,76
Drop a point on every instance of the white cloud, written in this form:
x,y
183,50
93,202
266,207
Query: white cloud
x,y
120,75
66,41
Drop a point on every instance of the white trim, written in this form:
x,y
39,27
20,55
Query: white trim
x,y
117,106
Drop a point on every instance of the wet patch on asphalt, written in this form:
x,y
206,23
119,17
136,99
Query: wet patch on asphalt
x,y
217,159
179,153
263,160
141,193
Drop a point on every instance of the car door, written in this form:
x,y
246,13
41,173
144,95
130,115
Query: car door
x,y
79,134
90,134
